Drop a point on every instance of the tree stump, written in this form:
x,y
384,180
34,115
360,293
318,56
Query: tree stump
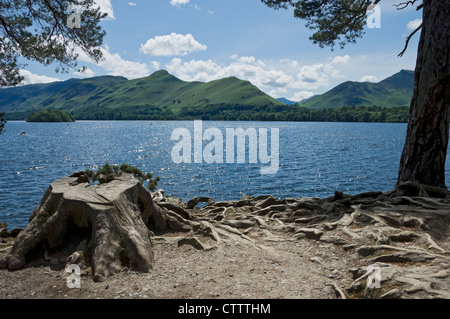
x,y
114,215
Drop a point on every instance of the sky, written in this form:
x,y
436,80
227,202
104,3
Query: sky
x,y
205,40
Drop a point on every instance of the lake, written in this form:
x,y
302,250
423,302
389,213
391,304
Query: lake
x,y
315,159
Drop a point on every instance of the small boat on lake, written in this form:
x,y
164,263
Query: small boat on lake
x,y
23,133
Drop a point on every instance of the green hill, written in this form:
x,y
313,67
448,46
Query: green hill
x,y
391,92
161,96
50,116
158,96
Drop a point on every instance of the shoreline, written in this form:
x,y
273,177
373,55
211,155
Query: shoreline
x,y
266,247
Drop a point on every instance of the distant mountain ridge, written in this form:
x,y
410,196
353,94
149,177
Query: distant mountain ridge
x,y
112,97
286,101
162,96
393,91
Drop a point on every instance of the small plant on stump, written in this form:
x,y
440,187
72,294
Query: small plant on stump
x,y
107,173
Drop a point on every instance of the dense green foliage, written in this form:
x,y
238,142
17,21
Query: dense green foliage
x,y
108,171
355,114
265,113
334,21
262,113
50,116
301,114
38,31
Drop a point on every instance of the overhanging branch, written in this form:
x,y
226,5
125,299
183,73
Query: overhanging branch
x,y
403,5
409,38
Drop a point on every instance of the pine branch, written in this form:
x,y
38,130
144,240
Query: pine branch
x,y
408,39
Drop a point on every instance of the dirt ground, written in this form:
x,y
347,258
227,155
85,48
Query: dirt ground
x,y
290,269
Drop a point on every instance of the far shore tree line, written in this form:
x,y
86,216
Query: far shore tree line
x,y
368,114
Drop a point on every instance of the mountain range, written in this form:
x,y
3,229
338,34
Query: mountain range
x,y
112,97
164,96
393,91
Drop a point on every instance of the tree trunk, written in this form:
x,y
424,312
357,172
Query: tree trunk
x,y
425,150
107,224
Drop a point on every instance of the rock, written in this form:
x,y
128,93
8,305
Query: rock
x,y
115,215
103,179
175,208
333,240
194,201
81,177
158,196
206,229
176,222
194,242
311,233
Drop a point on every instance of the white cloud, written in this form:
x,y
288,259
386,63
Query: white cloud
x,y
178,2
312,77
86,73
106,7
292,63
31,78
114,64
301,95
341,59
155,65
132,4
172,45
286,77
210,11
414,24
369,78
315,76
278,92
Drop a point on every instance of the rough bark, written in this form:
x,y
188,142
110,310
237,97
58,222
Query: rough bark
x,y
116,214
425,150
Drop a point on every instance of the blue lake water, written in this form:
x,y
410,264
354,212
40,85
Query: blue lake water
x,y
315,160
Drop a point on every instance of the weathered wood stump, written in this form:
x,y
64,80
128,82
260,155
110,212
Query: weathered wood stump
x,y
117,214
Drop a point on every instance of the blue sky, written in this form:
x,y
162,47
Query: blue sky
x,y
204,40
